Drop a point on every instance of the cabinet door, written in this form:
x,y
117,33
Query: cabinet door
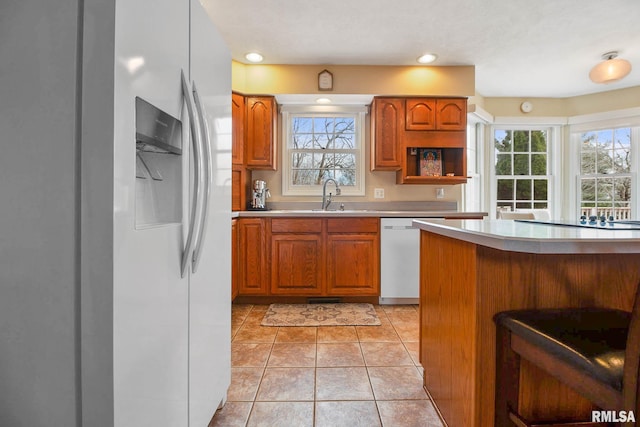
x,y
387,127
260,130
239,184
237,126
354,264
235,259
451,114
296,264
420,114
252,263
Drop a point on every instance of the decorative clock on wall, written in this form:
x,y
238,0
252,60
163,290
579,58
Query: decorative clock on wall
x,y
325,80
526,107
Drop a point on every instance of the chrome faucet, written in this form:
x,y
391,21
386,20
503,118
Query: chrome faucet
x,y
326,201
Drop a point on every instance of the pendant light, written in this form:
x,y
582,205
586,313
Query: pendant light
x,y
610,70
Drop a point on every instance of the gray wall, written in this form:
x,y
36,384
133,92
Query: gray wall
x,y
48,281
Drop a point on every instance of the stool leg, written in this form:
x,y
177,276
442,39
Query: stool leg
x,y
507,378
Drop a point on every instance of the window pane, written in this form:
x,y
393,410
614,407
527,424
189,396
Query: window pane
x,y
622,189
503,140
523,189
521,140
539,205
588,163
301,160
588,189
539,189
503,164
538,164
539,141
505,189
344,141
304,177
323,125
302,141
321,142
521,164
344,125
345,161
346,177
523,205
604,190
302,125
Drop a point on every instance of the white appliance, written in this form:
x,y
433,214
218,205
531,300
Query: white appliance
x,y
399,261
100,323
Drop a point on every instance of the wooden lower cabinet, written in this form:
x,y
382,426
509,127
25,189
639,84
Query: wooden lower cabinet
x,y
252,257
296,264
353,262
310,257
235,259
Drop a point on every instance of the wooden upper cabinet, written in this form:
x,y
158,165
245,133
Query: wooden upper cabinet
x,y
260,148
420,114
237,125
387,127
451,114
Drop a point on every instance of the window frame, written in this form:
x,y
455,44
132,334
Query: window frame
x,y
553,132
579,126
288,112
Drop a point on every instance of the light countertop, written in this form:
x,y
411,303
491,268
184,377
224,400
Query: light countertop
x,y
518,236
360,213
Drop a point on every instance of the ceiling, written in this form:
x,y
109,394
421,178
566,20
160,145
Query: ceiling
x,y
520,48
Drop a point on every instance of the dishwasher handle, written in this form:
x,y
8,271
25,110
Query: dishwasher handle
x,y
398,227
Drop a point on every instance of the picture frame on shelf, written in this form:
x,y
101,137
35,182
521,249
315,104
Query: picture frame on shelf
x,y
429,162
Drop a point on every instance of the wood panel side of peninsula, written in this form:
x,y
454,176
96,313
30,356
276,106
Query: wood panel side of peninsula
x,y
463,285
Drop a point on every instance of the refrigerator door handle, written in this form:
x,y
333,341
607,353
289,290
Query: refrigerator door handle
x,y
194,125
208,172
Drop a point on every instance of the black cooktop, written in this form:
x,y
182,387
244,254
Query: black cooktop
x,y
607,225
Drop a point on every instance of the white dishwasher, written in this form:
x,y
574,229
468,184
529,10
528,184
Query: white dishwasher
x,y
399,261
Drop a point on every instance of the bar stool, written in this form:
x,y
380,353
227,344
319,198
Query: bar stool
x,y
595,351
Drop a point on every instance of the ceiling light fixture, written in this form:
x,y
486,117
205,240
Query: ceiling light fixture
x,y
610,70
323,101
427,58
254,57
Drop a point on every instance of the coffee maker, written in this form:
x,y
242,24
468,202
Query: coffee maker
x,y
260,195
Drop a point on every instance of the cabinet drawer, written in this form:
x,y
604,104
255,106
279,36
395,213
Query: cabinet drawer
x,y
296,225
353,225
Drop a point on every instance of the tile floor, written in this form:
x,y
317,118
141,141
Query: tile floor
x,y
329,376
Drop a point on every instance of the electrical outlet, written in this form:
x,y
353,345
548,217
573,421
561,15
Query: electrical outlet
x,y
378,193
439,193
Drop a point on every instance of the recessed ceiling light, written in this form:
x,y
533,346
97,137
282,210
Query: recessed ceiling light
x,y
254,57
427,58
323,101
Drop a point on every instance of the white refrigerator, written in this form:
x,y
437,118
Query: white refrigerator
x,y
100,323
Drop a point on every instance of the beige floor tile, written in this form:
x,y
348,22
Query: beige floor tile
x,y
394,383
255,334
244,384
292,354
337,334
385,354
250,354
339,354
281,384
347,414
377,333
233,414
414,351
349,383
281,414
408,413
409,332
297,334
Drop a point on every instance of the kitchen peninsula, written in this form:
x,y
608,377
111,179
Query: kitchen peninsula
x,y
471,270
